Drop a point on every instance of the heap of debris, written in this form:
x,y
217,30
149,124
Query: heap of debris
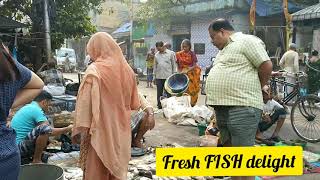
x,y
140,168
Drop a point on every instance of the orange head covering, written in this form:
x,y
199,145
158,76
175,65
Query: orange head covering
x,y
102,46
105,99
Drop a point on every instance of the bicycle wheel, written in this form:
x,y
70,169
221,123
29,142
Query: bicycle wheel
x,y
305,118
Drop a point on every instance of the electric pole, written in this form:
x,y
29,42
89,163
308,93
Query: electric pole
x,y
47,30
131,32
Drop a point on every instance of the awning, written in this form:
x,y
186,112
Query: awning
x,y
311,12
121,43
271,7
138,32
123,30
7,23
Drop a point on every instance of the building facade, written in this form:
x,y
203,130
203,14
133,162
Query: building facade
x,y
197,16
307,28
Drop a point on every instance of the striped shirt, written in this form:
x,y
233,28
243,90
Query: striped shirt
x,y
164,64
234,80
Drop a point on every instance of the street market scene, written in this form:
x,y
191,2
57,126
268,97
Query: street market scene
x,y
89,89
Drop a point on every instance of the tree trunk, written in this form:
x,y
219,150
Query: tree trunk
x,y
38,46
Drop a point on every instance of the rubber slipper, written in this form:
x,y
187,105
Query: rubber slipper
x,y
258,141
275,138
268,142
265,141
136,152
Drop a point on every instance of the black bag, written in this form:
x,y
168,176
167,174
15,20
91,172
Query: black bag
x,y
72,89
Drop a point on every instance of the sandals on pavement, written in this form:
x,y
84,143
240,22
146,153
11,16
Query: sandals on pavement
x,y
265,141
275,138
136,151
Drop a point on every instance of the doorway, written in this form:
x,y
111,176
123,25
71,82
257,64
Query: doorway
x,y
176,41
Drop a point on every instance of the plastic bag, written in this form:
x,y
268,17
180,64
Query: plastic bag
x,y
202,112
54,90
174,107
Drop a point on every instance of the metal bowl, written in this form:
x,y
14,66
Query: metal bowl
x,y
40,171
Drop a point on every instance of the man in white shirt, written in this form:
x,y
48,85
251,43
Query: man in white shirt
x,y
168,46
290,59
290,63
164,66
272,112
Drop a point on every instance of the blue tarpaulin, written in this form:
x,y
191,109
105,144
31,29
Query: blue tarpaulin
x,y
271,7
140,30
151,29
123,29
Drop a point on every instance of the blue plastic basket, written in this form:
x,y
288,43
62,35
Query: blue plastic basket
x,y
177,84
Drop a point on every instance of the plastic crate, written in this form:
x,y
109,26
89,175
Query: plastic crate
x,y
70,101
61,104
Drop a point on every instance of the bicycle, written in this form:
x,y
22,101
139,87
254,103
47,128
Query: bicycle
x,y
304,120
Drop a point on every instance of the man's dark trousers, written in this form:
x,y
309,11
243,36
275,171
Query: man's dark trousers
x,y
160,89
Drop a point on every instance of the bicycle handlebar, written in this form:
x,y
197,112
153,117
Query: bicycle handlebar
x,y
298,74
310,67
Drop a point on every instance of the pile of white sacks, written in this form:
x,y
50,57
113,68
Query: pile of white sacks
x,y
179,111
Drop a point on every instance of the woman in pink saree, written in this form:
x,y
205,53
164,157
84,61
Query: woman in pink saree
x,y
106,96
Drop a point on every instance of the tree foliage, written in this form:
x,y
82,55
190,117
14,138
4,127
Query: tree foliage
x,y
72,19
68,19
160,9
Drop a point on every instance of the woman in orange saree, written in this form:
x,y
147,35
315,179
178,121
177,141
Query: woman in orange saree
x,y
106,96
187,63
